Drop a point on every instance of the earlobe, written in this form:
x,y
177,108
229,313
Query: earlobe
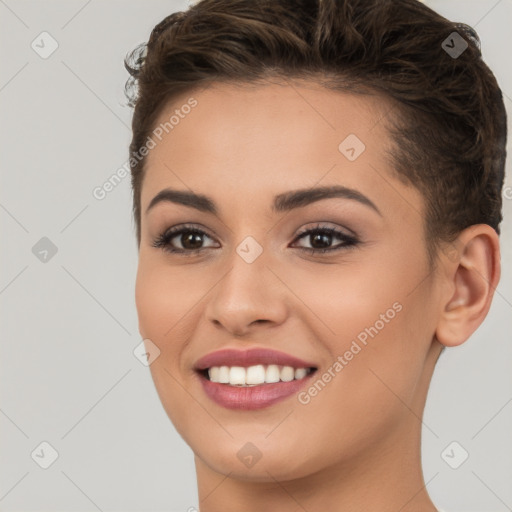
x,y
472,272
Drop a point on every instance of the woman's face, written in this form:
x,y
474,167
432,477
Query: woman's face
x,y
364,315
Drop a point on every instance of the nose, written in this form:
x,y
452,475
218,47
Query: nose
x,y
248,297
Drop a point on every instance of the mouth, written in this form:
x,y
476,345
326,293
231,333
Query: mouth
x,y
256,375
252,379
253,387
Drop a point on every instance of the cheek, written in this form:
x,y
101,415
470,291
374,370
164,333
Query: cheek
x,y
162,304
366,314
381,335
162,297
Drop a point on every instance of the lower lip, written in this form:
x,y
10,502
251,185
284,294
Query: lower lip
x,y
251,397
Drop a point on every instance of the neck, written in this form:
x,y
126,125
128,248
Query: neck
x,y
387,476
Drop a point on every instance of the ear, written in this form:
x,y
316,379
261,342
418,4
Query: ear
x,y
472,271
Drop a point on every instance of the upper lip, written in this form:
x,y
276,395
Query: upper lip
x,y
251,357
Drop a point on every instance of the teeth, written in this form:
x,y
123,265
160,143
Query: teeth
x,y
272,374
255,375
223,375
300,373
287,373
214,374
236,375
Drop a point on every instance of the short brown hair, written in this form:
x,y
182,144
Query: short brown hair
x,y
449,130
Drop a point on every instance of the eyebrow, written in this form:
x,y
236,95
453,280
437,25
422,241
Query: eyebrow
x,y
282,202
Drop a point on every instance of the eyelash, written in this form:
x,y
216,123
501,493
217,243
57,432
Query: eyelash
x,y
164,239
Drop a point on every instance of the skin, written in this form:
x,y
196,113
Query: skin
x,y
357,442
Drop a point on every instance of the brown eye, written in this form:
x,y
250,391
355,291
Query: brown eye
x,y
184,240
322,237
191,240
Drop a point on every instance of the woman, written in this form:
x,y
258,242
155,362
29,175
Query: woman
x,y
317,198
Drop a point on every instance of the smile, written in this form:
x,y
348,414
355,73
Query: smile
x,y
255,375
252,379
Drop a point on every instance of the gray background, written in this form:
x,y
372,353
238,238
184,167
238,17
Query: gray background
x,y
69,325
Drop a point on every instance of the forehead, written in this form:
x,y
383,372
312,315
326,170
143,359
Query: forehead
x,y
239,139
280,111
